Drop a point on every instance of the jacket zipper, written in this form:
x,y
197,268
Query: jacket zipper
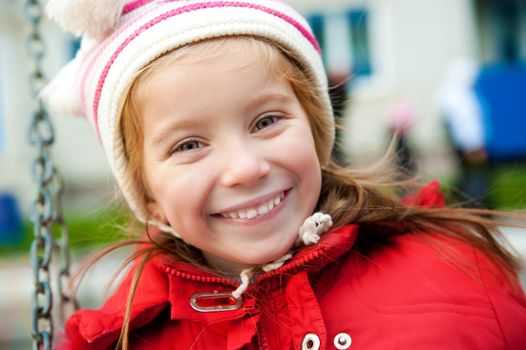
x,y
199,278
295,265
231,283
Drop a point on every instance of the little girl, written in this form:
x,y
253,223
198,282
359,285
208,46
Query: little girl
x,y
216,121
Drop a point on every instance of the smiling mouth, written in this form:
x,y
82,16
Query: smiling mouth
x,y
253,212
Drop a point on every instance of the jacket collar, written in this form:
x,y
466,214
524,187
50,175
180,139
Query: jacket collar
x,y
330,247
186,280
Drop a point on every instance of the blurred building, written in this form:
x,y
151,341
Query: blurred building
x,y
393,50
76,152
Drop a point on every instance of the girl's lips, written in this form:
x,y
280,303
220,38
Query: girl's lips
x,y
255,213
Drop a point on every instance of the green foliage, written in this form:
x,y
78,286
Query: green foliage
x,y
508,187
85,231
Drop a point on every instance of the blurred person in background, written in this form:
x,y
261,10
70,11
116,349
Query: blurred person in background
x,y
500,87
401,119
462,112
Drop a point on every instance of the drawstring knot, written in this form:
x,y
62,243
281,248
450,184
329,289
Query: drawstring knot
x,y
313,227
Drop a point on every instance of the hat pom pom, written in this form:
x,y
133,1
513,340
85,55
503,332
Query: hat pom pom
x,y
62,94
94,18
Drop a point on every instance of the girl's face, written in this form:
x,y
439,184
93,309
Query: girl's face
x,y
229,158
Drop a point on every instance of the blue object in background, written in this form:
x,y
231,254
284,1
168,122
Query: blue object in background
x,y
501,88
317,23
10,220
359,22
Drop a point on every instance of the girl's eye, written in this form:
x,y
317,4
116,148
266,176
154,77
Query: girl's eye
x,y
187,146
265,122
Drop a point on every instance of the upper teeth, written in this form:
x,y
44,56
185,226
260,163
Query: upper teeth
x,y
250,213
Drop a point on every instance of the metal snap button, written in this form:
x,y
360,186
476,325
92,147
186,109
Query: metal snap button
x,y
310,342
342,341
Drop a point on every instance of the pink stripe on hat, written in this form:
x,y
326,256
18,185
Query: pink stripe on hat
x,y
185,9
91,58
131,6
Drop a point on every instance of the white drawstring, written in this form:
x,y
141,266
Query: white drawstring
x,y
276,264
309,233
247,273
245,280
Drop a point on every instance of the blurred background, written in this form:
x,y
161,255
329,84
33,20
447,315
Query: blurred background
x,y
447,76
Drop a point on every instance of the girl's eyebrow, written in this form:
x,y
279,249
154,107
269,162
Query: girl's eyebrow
x,y
171,128
272,97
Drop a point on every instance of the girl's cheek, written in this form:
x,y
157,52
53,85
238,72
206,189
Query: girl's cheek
x,y
193,182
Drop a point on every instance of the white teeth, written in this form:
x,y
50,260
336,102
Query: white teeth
x,y
251,213
263,209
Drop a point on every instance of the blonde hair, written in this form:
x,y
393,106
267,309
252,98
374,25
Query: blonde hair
x,y
349,196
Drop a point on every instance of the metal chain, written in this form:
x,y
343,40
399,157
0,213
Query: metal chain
x,y
50,230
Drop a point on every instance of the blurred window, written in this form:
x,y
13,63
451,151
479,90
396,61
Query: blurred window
x,y
522,29
344,39
502,29
361,57
317,23
338,38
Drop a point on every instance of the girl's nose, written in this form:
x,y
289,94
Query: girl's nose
x,y
244,165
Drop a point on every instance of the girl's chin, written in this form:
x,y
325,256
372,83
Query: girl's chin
x,y
245,260
264,259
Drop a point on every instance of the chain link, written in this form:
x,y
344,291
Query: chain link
x,y
50,230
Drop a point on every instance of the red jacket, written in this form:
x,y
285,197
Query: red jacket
x,y
405,296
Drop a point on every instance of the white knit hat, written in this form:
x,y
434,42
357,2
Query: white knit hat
x,y
120,37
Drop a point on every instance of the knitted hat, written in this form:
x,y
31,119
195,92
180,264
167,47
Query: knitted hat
x,y
120,37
